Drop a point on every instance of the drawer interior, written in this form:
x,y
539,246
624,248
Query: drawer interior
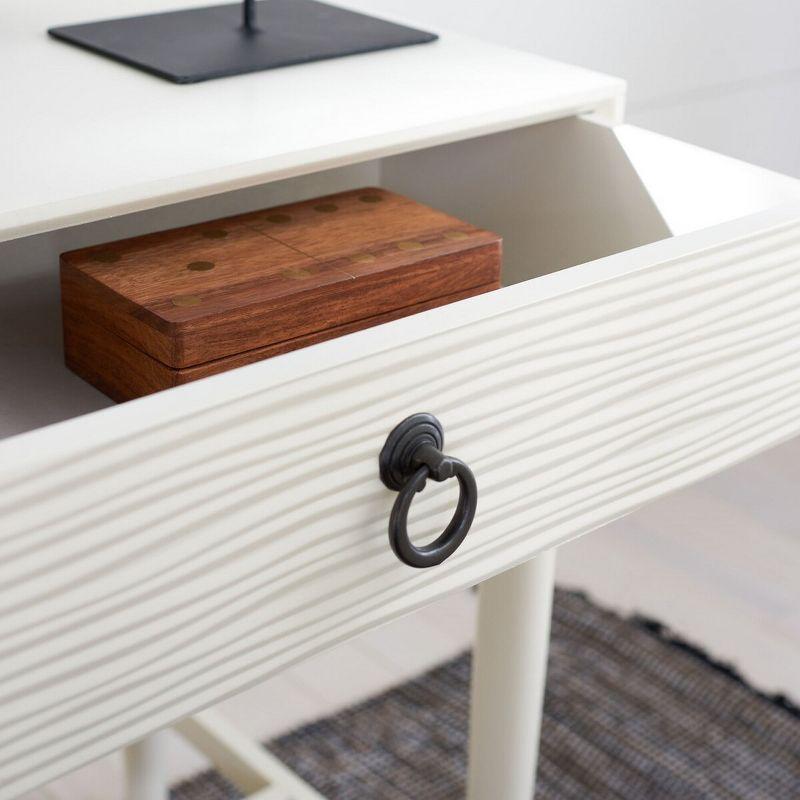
x,y
567,192
561,194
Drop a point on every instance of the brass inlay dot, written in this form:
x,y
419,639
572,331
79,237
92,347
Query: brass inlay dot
x,y
215,233
370,198
326,208
200,266
186,300
279,219
296,274
363,258
106,257
455,235
409,245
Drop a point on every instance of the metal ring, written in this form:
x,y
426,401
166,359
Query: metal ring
x,y
447,542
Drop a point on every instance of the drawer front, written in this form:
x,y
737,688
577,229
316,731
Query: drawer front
x,y
158,556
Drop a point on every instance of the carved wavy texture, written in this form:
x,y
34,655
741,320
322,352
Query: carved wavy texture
x,y
144,576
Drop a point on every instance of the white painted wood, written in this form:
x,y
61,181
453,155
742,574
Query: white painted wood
x,y
145,765
159,556
127,141
549,193
251,768
722,188
407,646
728,545
470,179
155,486
610,189
509,671
534,185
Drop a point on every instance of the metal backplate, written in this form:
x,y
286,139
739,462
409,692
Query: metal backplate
x,y
395,460
203,43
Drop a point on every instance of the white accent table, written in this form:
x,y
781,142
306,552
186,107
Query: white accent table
x,y
159,556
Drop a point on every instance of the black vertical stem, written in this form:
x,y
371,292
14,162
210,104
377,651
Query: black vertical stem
x,y
249,15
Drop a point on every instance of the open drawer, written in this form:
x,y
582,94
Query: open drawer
x,y
160,555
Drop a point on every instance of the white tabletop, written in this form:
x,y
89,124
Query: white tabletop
x,y
84,138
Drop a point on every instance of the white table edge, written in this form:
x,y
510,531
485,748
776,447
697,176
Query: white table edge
x,y
605,105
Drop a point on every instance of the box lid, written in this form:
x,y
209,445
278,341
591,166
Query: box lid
x,y
191,295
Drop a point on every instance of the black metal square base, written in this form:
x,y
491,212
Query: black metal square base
x,y
203,43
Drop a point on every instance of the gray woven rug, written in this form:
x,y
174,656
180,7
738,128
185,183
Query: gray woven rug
x,y
630,713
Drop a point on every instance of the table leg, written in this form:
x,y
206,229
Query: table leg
x,y
145,763
508,678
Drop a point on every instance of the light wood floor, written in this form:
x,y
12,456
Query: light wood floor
x,y
718,562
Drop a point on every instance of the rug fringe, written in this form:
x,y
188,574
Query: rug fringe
x,y
665,634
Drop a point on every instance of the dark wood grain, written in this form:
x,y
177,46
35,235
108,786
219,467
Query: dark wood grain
x,y
124,372
223,289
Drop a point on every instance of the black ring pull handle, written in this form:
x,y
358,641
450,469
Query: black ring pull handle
x,y
412,454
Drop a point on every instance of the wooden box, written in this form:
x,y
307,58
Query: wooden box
x,y
156,311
